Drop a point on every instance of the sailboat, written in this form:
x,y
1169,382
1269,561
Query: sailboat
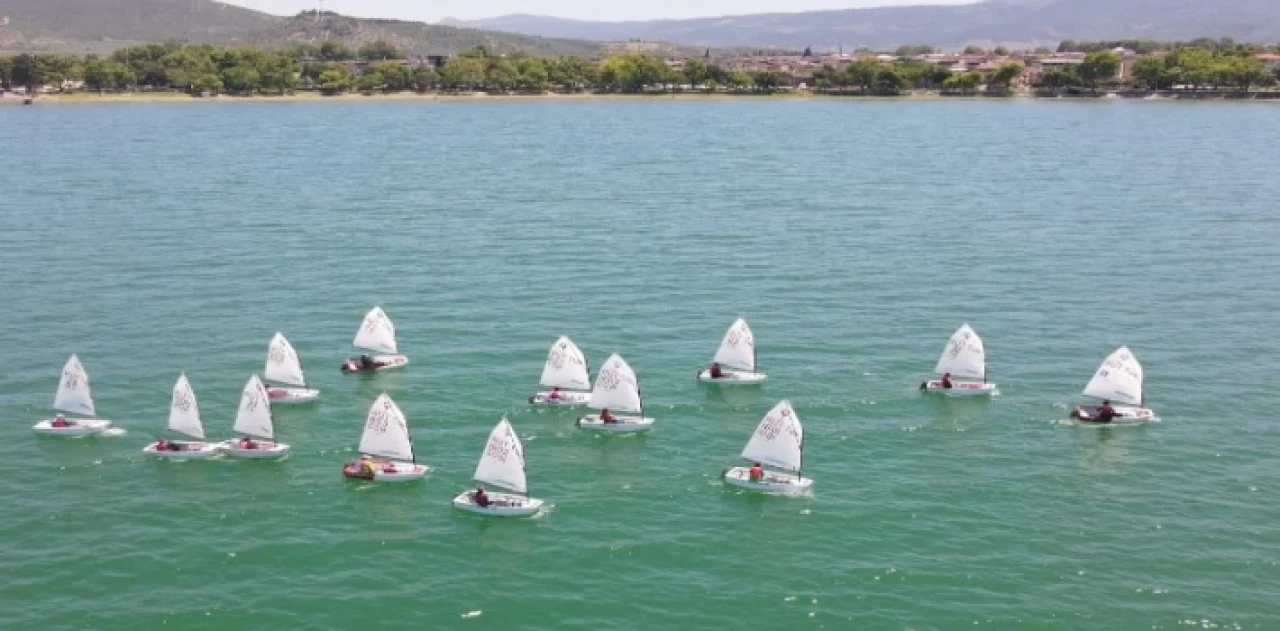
x,y
502,465
567,373
777,443
736,358
616,389
387,448
964,357
1118,380
284,373
75,398
378,335
184,418
253,420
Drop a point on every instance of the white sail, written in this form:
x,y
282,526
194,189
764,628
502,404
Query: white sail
x,y
73,391
376,333
779,440
1118,379
502,463
283,365
254,416
184,412
566,367
616,387
386,431
964,356
738,348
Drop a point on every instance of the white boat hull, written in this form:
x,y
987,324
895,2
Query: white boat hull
x,y
382,362
189,450
962,388
386,471
623,425
1125,415
563,398
291,396
773,482
263,451
500,505
733,378
77,428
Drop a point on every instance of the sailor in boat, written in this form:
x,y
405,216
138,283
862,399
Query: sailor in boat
x,y
1105,414
715,372
481,498
554,395
946,381
246,443
164,444
607,417
61,421
757,472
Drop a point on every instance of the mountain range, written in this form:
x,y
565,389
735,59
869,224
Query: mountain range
x,y
100,26
1010,22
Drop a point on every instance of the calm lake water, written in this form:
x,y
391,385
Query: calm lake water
x,y
854,236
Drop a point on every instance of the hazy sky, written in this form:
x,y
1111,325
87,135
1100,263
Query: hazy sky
x,y
433,10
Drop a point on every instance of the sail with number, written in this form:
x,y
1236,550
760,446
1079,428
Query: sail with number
x,y
1118,379
376,333
964,356
566,367
616,387
74,396
386,431
283,366
184,412
738,348
502,463
254,415
778,440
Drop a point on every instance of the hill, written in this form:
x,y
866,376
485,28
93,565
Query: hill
x,y
100,26
1015,22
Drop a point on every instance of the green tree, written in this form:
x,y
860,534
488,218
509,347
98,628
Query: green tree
x,y
769,81
1001,51
278,72
1150,73
827,77
370,81
888,82
964,82
424,78
207,83
463,72
305,50
336,51
107,74
6,71
740,81
573,73
1191,66
1006,74
533,74
240,79
502,74
914,50
56,69
23,71
1098,67
334,80
1058,79
1245,72
379,50
145,62
862,73
635,73
974,50
392,76
695,72
183,67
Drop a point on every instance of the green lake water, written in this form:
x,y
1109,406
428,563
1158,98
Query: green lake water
x,y
854,237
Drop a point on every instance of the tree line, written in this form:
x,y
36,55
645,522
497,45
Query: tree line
x,y
868,76
1186,68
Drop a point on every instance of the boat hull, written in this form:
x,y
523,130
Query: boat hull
x,y
500,505
264,451
624,424
382,362
386,472
565,399
190,451
78,428
962,388
292,396
773,482
733,378
1085,415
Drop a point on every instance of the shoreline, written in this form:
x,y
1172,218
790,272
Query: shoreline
x,y
78,98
